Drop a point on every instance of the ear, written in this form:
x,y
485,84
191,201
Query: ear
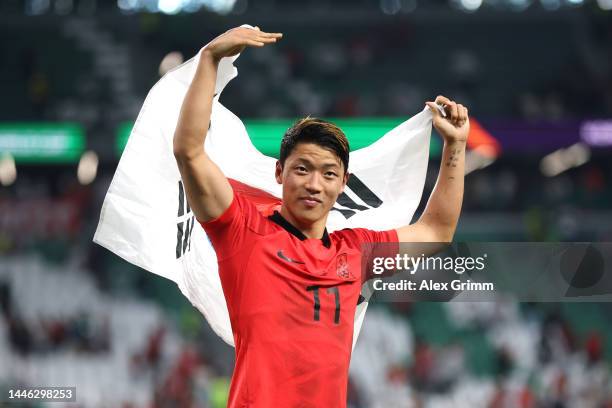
x,y
278,172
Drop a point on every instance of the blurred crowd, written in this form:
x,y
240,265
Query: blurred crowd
x,y
386,66
535,359
456,354
59,329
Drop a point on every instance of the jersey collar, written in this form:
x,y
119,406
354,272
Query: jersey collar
x,y
280,220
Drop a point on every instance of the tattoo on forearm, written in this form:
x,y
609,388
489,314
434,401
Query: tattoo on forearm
x,y
453,158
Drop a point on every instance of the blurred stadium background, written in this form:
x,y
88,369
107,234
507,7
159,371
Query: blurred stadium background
x,y
536,75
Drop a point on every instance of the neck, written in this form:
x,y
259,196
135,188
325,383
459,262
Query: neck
x,y
311,229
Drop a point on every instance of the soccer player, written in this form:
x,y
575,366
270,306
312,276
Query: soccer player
x,y
291,288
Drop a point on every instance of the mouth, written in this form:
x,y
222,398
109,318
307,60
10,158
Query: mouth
x,y
310,201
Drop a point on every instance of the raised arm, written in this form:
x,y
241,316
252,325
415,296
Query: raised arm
x,y
439,219
208,191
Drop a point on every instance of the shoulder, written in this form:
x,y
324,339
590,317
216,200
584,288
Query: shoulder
x,y
256,216
241,212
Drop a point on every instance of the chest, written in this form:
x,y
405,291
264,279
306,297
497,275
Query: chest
x,y
307,262
304,282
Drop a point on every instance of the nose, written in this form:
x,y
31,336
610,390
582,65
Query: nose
x,y
313,184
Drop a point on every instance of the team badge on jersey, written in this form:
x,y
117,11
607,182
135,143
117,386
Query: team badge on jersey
x,y
342,267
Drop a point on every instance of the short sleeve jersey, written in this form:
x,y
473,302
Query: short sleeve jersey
x,y
291,303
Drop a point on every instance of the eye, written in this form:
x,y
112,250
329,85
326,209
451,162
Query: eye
x,y
330,174
300,169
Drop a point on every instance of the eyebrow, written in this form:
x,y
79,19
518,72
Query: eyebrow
x,y
324,165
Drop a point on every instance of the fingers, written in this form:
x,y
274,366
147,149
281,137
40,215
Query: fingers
x,y
463,113
266,39
261,34
450,107
434,108
270,35
443,100
456,113
254,43
254,37
234,41
257,38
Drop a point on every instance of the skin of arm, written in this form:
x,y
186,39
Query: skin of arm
x,y
439,219
208,190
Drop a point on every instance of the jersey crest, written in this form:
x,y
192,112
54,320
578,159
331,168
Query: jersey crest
x,y
342,266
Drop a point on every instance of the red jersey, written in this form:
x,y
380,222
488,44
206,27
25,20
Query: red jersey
x,y
291,303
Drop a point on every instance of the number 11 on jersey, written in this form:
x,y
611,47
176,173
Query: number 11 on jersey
x,y
317,302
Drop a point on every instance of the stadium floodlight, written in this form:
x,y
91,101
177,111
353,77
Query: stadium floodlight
x,y
170,6
605,4
88,167
220,6
8,170
471,5
176,6
172,60
562,160
127,5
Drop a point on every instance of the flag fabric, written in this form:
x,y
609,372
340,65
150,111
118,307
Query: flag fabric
x,y
146,219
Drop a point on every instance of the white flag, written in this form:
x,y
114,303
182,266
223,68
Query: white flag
x,y
145,218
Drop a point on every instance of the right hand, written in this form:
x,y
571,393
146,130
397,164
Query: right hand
x,y
234,41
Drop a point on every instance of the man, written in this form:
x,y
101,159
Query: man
x,y
291,288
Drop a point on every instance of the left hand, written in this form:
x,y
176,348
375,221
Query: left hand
x,y
455,127
235,40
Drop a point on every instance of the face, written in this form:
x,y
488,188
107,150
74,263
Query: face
x,y
312,179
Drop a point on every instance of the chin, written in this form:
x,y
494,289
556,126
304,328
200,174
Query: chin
x,y
307,216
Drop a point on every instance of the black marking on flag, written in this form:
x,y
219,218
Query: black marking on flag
x,y
190,231
183,228
179,239
186,237
346,201
347,213
181,197
363,192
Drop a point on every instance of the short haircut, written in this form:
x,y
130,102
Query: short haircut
x,y
319,132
